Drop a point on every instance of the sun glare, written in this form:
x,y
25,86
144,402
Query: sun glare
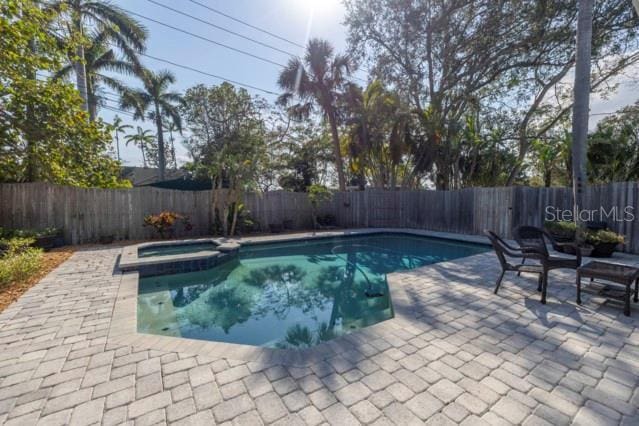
x,y
317,7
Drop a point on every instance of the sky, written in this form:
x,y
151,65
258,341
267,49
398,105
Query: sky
x,y
294,20
288,19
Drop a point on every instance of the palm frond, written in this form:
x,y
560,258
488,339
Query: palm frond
x,y
109,15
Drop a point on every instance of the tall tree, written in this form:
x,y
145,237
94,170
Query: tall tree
x,y
380,136
451,59
143,139
228,142
119,28
581,109
541,89
100,57
155,98
118,127
44,134
316,79
613,148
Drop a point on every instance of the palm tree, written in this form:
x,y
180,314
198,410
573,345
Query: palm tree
x,y
317,79
118,128
99,58
156,99
141,139
169,126
120,29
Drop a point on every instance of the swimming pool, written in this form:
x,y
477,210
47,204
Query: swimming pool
x,y
292,294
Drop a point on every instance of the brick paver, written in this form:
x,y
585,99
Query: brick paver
x,y
455,353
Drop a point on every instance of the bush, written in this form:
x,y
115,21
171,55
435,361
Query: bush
x,y
29,233
19,261
603,237
165,222
15,246
561,230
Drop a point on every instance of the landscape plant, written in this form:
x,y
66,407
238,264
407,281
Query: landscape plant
x,y
166,222
18,260
44,133
228,144
318,194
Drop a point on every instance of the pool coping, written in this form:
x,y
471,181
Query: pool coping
x,y
123,327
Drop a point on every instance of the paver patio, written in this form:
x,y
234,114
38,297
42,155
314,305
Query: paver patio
x,y
458,354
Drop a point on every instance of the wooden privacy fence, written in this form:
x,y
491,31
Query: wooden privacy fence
x,y
88,214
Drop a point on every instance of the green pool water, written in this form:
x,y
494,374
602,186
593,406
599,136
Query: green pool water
x,y
289,295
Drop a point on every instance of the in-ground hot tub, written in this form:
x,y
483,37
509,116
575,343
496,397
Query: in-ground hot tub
x,y
178,256
184,247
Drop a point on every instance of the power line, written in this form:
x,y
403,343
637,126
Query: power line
x,y
243,52
199,71
226,15
222,28
118,110
216,42
246,23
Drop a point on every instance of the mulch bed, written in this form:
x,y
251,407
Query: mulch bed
x,y
50,260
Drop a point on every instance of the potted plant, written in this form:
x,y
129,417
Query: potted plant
x,y
46,239
604,242
561,231
564,232
165,223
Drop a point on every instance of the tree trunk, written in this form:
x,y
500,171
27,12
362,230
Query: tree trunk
x,y
117,144
143,156
161,156
78,64
337,151
31,169
236,204
581,109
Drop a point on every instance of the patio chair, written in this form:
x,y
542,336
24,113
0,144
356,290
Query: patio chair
x,y
531,236
504,251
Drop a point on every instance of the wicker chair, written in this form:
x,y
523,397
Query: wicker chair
x,y
531,249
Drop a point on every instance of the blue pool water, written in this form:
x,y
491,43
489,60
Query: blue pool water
x,y
289,295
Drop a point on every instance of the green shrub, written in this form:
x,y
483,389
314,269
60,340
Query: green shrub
x,y
603,237
28,233
15,246
19,262
564,229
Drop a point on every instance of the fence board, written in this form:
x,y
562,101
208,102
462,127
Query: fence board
x,y
88,214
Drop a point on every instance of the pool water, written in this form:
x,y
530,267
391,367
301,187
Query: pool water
x,y
169,250
289,295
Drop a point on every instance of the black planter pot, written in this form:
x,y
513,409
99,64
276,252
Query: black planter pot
x,y
275,228
288,224
46,242
585,250
604,249
59,241
107,239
